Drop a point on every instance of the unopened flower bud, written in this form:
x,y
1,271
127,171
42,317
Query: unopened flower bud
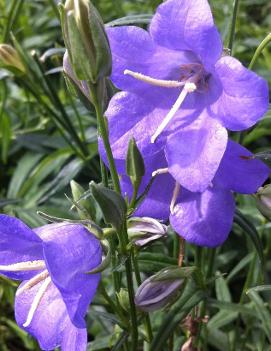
x,y
263,200
80,88
124,301
10,59
86,40
142,230
154,294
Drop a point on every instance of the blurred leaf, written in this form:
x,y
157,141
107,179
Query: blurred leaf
x,y
252,233
262,312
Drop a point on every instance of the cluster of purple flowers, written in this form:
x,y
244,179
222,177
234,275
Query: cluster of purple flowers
x,y
180,95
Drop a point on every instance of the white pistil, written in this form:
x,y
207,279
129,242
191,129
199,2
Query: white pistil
x,y
23,266
188,88
32,282
36,302
159,171
174,197
153,81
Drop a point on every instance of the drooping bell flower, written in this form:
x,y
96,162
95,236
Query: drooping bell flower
x,y
202,218
52,261
179,92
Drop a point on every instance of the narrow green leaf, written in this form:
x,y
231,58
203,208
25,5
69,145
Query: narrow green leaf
x,y
252,233
261,311
178,312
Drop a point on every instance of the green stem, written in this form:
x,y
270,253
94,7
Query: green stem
x,y
103,132
134,196
259,50
134,329
147,323
233,24
54,7
12,18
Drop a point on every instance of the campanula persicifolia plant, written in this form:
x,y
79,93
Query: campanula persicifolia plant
x,y
143,260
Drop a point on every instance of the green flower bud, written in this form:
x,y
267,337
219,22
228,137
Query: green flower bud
x,y
124,301
263,201
10,59
86,40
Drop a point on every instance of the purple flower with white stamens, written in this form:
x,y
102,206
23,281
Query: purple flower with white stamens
x,y
52,261
179,92
202,218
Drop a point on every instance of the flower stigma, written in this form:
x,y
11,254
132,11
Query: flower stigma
x,y
32,282
37,300
175,195
23,266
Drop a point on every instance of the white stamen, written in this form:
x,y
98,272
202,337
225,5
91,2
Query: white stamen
x,y
188,88
153,81
24,266
160,171
32,282
174,197
36,302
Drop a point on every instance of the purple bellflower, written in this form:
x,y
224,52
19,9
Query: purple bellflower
x,y
202,218
179,92
52,261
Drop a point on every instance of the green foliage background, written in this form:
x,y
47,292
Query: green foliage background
x,y
48,138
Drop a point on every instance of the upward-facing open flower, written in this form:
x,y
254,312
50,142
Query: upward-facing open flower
x,y
180,92
204,218
55,293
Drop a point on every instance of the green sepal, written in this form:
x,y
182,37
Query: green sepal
x,y
112,205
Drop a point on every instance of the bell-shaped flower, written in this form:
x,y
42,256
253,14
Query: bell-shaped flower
x,y
53,262
180,93
202,218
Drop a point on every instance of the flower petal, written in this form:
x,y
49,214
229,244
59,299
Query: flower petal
x,y
244,98
50,324
239,172
74,339
194,152
18,243
130,116
187,25
133,49
204,219
70,251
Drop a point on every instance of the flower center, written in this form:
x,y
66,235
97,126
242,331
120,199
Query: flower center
x,y
192,78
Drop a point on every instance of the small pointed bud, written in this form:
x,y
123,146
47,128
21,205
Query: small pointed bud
x,y
143,230
10,59
263,201
152,295
135,167
85,208
112,205
86,40
124,301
